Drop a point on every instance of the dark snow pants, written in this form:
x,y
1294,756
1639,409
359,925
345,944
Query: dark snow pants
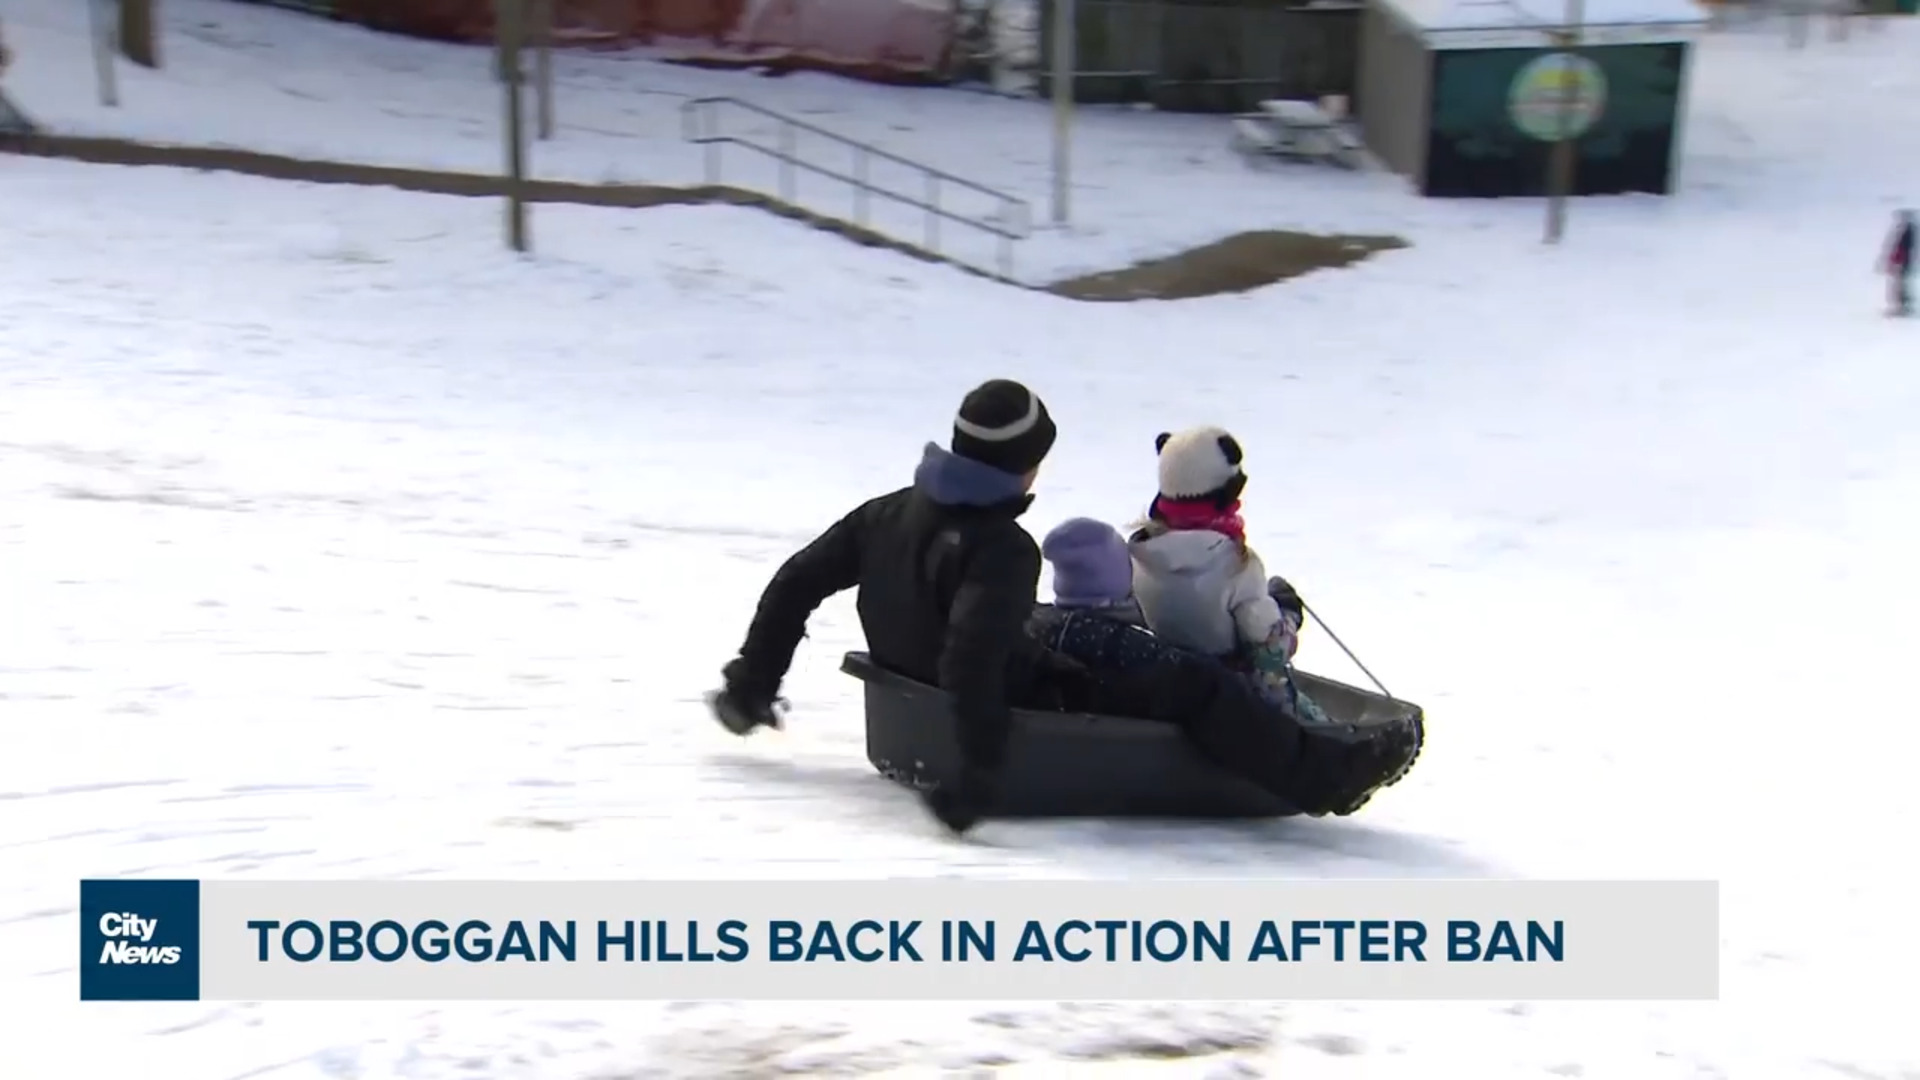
x,y
1227,719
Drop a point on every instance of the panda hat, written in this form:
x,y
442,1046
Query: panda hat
x,y
1200,464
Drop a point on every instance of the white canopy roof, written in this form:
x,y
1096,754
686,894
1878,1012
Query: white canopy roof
x,y
1522,23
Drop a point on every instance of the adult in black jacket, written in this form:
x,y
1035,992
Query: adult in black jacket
x,y
947,579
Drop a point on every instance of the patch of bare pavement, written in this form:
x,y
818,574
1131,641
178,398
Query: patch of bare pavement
x,y
1239,263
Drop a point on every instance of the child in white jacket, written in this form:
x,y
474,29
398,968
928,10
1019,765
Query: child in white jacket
x,y
1197,582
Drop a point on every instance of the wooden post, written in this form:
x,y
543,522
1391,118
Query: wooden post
x,y
510,27
103,22
139,33
543,63
1563,158
1063,65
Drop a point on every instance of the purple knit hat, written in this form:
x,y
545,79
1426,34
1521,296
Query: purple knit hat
x,y
1091,565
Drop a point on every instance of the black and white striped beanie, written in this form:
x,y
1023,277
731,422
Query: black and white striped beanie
x,y
1005,425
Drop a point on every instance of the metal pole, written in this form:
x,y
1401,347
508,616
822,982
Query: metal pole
x,y
1063,65
543,63
510,28
104,23
1564,155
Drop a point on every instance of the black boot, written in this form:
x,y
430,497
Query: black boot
x,y
1319,768
1344,764
960,805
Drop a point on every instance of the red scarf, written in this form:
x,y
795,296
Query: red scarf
x,y
1196,514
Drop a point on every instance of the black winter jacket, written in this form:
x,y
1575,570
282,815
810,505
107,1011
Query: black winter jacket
x,y
946,579
1109,640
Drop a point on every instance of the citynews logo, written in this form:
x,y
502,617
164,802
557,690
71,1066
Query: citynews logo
x,y
127,935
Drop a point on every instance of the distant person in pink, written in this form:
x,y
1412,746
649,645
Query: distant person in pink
x,y
1898,264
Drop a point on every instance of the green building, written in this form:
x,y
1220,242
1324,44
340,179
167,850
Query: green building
x,y
1467,99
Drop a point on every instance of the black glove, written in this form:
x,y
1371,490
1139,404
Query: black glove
x,y
1285,595
747,686
962,804
744,701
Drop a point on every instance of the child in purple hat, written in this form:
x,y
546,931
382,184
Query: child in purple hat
x,y
1091,565
1096,620
1093,618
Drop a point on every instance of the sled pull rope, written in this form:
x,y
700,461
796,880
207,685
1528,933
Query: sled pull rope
x,y
1343,648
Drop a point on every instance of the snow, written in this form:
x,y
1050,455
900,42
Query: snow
x,y
338,542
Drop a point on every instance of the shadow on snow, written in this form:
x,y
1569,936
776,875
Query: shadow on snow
x,y
1324,847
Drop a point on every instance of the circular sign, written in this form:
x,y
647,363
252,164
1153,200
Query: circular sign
x,y
1557,96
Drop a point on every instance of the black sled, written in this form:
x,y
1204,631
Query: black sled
x,y
1083,765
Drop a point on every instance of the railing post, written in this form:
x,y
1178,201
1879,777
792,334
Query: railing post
x,y
933,214
1006,238
1010,222
787,178
860,185
709,128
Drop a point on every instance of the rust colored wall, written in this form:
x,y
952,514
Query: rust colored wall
x,y
874,38
441,20
880,39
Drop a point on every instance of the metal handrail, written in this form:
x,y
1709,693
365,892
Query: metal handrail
x,y
1012,221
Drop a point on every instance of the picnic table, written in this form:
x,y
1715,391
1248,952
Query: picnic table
x,y
1298,131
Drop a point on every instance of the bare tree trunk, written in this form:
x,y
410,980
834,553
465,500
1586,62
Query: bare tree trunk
x,y
140,33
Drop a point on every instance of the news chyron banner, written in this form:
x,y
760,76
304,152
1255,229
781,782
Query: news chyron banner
x,y
902,940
